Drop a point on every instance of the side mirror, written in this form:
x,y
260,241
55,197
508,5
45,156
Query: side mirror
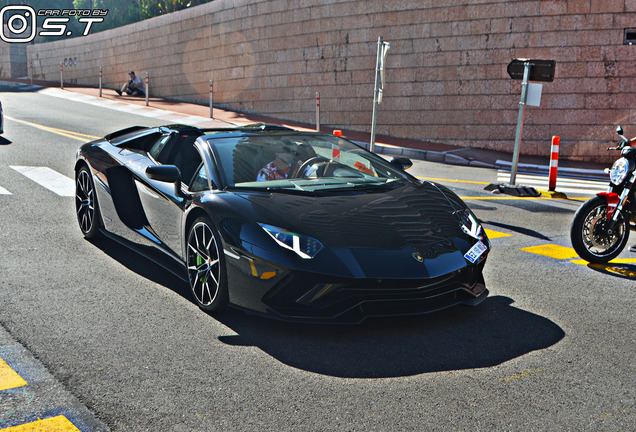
x,y
619,130
401,162
166,173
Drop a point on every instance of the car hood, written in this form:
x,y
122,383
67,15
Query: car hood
x,y
410,215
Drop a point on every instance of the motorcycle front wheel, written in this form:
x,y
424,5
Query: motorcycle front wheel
x,y
590,234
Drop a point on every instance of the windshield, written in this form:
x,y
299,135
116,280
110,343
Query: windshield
x,y
297,161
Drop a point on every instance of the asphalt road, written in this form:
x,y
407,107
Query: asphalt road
x,y
112,341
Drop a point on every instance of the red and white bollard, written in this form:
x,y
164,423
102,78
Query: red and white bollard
x,y
554,163
317,111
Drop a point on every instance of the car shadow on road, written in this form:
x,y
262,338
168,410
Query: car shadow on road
x,y
130,258
454,339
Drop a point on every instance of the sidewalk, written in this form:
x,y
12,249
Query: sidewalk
x,y
421,150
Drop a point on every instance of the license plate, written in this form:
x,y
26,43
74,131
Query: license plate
x,y
476,251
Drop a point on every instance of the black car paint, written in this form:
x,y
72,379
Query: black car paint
x,y
369,237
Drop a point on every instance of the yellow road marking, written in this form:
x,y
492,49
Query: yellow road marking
x,y
552,251
52,424
492,234
501,198
9,378
70,134
612,268
614,261
456,181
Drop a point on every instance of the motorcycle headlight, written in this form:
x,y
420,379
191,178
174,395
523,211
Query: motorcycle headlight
x,y
305,246
471,226
619,170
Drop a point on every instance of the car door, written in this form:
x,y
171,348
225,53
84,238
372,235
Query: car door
x,y
163,206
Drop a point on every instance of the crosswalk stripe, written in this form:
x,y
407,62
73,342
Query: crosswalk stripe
x,y
9,378
3,191
563,184
48,178
51,424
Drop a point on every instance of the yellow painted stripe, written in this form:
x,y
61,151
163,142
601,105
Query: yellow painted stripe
x,y
552,251
70,134
615,261
611,268
501,198
455,181
53,424
9,378
492,234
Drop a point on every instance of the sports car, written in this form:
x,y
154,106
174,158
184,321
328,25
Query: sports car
x,y
293,225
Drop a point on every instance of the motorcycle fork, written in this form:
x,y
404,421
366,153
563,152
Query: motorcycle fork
x,y
615,203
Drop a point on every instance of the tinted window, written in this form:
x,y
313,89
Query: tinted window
x,y
301,161
200,181
158,147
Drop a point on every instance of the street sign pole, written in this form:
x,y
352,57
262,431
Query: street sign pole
x,y
522,108
376,91
380,68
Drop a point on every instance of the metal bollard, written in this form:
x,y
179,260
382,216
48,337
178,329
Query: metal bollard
x,y
147,87
211,99
100,81
61,75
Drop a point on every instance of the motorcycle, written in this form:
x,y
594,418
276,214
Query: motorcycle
x,y
600,228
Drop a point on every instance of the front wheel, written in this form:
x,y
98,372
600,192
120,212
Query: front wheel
x,y
206,266
590,234
86,206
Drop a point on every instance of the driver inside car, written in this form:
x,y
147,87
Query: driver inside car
x,y
280,168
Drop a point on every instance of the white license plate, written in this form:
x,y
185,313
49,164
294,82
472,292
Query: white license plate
x,y
476,251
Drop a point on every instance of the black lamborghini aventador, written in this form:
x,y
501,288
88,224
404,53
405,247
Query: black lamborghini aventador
x,y
293,225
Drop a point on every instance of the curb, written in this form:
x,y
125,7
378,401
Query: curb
x,y
425,155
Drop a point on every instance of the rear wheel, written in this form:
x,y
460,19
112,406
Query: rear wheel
x,y
206,266
86,207
591,236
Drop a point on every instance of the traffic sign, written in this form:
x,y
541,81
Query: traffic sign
x,y
540,70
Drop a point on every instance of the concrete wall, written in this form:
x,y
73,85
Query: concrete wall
x,y
446,69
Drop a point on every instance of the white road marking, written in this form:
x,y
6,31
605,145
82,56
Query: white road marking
x,y
563,184
48,178
3,191
165,115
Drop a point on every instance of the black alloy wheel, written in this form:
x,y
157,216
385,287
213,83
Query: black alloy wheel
x,y
88,215
206,266
590,234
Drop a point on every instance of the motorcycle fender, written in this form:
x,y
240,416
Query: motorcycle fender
x,y
612,202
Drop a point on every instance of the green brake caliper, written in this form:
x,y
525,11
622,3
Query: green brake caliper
x,y
199,262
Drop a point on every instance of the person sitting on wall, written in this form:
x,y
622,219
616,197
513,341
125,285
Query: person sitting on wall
x,y
134,86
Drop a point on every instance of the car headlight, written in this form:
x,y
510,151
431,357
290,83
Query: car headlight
x,y
305,246
619,170
471,226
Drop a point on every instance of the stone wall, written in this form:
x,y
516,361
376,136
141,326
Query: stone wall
x,y
446,69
